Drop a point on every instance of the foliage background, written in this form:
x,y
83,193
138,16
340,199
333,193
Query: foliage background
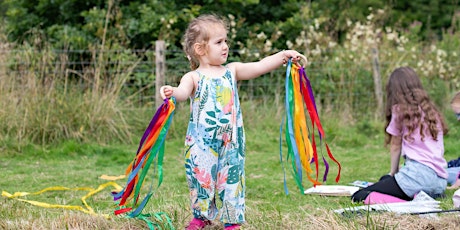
x,y
84,70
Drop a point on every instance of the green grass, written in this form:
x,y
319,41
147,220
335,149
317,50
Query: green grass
x,y
358,146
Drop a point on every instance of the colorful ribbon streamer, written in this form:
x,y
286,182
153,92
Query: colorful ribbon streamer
x,y
302,149
151,147
86,208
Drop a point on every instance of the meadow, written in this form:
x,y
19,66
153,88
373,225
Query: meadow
x,y
358,147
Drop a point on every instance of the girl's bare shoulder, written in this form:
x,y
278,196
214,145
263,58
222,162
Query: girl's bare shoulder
x,y
233,66
191,75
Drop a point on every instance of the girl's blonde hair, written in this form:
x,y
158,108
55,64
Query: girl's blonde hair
x,y
198,31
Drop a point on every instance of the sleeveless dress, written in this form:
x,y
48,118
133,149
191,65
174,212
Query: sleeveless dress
x,y
215,150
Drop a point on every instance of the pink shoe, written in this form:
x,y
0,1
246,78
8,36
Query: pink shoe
x,y
233,227
197,224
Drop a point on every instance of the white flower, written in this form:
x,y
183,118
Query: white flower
x,y
331,44
370,41
316,23
404,40
267,46
441,53
299,41
349,22
442,70
316,51
370,17
261,36
391,36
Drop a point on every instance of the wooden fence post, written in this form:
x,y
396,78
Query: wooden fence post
x,y
377,83
160,66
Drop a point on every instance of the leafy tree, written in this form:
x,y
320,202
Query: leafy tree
x,y
77,24
24,15
434,15
73,23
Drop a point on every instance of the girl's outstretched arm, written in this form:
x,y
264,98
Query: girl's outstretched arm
x,y
182,91
250,70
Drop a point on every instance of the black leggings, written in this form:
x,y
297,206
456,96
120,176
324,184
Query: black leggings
x,y
386,185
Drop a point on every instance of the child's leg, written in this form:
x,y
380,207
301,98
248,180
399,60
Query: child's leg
x,y
386,186
231,187
456,184
453,173
200,165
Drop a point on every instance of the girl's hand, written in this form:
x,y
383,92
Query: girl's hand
x,y
166,91
296,56
287,54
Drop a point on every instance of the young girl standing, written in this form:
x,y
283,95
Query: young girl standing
x,y
415,130
215,139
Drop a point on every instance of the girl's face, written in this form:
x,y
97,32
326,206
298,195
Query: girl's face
x,y
217,47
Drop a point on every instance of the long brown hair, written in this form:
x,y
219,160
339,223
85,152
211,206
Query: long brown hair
x,y
198,31
405,90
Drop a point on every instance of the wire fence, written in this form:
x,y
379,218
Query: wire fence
x,y
340,86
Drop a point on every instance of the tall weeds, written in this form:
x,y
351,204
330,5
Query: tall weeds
x,y
44,99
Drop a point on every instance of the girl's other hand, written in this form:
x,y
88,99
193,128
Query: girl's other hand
x,y
166,91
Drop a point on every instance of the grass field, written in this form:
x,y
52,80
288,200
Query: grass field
x,y
357,145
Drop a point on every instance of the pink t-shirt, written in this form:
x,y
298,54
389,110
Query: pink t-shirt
x,y
428,152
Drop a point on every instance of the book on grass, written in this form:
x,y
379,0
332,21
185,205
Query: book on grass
x,y
332,190
361,183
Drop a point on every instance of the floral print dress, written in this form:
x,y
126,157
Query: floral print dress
x,y
215,150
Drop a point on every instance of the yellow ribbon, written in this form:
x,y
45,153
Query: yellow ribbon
x,y
300,128
86,209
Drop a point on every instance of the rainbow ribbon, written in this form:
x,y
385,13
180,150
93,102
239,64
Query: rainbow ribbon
x,y
151,147
302,149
